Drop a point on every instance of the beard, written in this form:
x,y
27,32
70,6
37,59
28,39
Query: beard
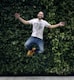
x,y
40,17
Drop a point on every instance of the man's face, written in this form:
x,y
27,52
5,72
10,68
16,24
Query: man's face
x,y
40,15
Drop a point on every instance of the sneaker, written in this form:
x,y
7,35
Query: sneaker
x,y
31,52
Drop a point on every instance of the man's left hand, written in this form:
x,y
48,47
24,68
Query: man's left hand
x,y
62,24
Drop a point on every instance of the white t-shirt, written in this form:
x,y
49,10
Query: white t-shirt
x,y
38,27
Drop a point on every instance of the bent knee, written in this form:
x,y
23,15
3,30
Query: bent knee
x,y
26,45
41,51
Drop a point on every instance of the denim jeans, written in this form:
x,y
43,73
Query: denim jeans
x,y
35,41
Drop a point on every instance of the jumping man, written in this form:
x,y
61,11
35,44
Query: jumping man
x,y
37,33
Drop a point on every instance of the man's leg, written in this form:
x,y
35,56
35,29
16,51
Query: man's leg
x,y
40,45
28,45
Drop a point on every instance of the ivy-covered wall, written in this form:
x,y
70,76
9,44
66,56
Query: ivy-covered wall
x,y
58,57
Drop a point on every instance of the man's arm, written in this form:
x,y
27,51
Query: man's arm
x,y
17,16
60,24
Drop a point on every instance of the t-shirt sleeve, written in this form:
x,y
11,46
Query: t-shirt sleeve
x,y
47,24
31,21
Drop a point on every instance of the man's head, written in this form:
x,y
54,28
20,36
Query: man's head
x,y
40,15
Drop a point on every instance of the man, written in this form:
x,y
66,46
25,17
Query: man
x,y
37,34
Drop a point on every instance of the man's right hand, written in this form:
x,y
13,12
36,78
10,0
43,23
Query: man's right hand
x,y
17,15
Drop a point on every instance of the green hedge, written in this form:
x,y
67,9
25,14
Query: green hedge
x,y
58,57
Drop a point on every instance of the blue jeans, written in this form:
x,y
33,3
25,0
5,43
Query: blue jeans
x,y
35,41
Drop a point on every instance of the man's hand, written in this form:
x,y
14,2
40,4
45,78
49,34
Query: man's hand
x,y
61,24
17,15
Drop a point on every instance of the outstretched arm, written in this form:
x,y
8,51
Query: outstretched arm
x,y
60,24
17,16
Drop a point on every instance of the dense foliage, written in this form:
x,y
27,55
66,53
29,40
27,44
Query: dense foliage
x,y
58,57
